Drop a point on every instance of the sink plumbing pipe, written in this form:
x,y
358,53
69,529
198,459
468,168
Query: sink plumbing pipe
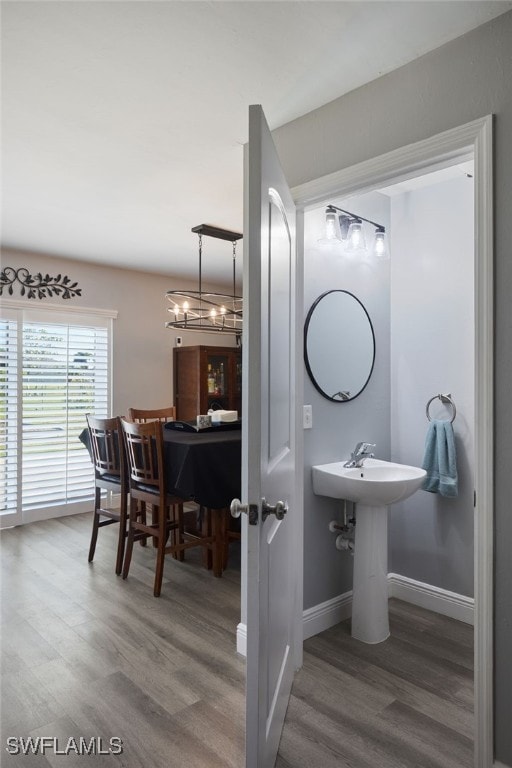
x,y
348,522
344,541
344,544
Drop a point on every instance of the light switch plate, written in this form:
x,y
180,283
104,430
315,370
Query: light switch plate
x,y
307,416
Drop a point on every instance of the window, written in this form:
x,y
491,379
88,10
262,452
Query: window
x,y
54,368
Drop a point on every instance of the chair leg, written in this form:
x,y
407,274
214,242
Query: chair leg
x,y
134,511
217,515
122,534
206,528
95,524
160,555
142,515
179,532
154,521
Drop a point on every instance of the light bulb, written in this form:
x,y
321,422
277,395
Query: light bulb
x,y
331,236
380,246
356,239
356,235
176,311
185,306
223,310
330,226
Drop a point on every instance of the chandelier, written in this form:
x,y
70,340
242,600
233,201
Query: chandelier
x,y
207,311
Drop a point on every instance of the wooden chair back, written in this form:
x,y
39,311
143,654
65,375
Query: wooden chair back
x,y
107,451
143,415
144,454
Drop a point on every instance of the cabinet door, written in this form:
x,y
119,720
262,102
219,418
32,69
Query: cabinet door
x,y
218,379
187,383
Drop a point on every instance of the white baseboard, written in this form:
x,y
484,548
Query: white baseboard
x,y
325,615
321,617
63,510
432,598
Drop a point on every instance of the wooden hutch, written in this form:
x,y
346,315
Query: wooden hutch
x,y
206,377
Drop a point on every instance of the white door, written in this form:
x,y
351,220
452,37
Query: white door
x,y
271,369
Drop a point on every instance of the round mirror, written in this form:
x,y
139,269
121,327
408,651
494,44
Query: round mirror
x,y
339,346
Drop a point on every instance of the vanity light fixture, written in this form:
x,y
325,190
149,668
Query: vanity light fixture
x,y
207,311
352,232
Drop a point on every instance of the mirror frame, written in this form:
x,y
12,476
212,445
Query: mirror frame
x,y
306,358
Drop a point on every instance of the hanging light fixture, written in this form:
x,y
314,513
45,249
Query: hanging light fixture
x,y
207,311
352,232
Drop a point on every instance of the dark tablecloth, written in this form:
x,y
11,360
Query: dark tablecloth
x,y
205,467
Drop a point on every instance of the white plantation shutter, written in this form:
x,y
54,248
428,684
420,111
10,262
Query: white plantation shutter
x,y
63,372
9,457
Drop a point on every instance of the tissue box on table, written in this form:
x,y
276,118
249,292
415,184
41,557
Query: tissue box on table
x,y
220,417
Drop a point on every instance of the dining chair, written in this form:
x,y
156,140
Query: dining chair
x,y
142,416
108,457
144,448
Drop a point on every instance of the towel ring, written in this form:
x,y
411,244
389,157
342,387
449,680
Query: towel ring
x,y
447,399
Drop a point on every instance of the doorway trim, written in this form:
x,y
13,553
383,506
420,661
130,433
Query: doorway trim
x,y
439,151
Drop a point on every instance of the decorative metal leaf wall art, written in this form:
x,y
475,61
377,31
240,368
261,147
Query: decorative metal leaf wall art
x,y
37,286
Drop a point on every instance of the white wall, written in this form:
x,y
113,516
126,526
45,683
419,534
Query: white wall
x,y
432,351
142,346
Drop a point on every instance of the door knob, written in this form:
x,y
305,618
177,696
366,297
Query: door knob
x,y
251,510
279,509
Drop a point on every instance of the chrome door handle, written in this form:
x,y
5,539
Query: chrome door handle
x,y
279,509
251,510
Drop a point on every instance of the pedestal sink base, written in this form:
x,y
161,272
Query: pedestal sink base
x,y
372,487
370,619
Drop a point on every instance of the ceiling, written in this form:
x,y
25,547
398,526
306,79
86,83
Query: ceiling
x,y
123,122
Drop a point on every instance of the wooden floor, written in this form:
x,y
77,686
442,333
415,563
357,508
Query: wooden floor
x,y
88,654
85,653
404,703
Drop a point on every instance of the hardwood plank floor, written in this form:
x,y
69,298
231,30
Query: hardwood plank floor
x,y
85,653
404,703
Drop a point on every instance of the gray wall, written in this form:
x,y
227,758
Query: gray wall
x,y
337,427
459,82
432,351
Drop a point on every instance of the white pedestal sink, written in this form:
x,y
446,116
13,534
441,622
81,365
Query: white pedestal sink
x,y
373,487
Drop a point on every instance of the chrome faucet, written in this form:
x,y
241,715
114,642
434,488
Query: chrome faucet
x,y
361,452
